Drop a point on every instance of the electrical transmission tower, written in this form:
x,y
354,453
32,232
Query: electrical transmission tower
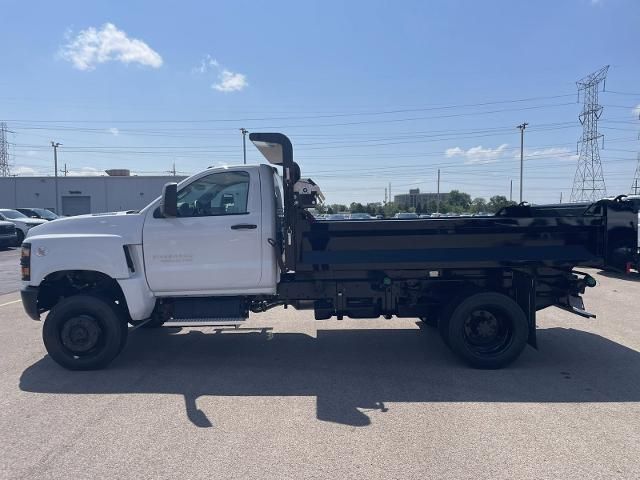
x,y
4,151
588,183
635,184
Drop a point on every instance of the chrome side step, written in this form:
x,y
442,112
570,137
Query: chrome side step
x,y
206,321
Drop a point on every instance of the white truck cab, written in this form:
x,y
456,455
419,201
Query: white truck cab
x,y
217,244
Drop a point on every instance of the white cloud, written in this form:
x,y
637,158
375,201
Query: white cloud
x,y
452,152
31,153
91,47
564,154
114,131
636,111
86,172
228,81
477,154
206,64
18,170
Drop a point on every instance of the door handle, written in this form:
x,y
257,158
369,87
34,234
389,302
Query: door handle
x,y
243,226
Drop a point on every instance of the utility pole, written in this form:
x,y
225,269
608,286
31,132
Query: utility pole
x,y
385,195
438,194
65,171
390,197
560,197
173,169
244,132
588,182
511,190
55,146
521,127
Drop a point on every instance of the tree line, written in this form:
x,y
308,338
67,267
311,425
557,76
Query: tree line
x,y
454,202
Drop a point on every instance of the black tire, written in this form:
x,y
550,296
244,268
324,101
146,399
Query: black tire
x,y
487,330
19,237
84,332
445,312
620,254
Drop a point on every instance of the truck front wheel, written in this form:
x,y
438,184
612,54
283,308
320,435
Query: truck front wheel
x,y
487,330
84,332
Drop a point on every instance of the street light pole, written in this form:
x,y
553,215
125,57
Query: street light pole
x,y
55,146
244,132
521,127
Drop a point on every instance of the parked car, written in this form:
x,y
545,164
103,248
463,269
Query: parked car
x,y
406,216
8,237
360,216
41,213
20,221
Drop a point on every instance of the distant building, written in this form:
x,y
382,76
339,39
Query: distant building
x,y
79,195
415,198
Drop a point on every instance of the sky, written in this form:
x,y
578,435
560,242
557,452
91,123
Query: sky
x,y
371,93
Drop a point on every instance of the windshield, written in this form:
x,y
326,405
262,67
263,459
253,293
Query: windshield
x,y
12,214
46,214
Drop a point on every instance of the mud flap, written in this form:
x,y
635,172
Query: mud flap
x,y
525,290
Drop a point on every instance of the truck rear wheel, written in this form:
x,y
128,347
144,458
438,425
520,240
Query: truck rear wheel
x,y
487,330
84,332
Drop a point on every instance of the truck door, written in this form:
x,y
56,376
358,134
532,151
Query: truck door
x,y
213,245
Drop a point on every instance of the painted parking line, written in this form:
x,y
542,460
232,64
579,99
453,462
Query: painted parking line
x,y
9,303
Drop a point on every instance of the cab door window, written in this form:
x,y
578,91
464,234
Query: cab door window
x,y
224,193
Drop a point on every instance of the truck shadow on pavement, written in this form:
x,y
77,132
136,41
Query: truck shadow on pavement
x,y
349,371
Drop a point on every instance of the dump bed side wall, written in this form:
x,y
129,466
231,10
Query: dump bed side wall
x,y
450,243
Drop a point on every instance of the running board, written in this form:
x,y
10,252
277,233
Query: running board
x,y
218,321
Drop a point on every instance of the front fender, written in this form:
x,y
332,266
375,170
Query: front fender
x,y
97,252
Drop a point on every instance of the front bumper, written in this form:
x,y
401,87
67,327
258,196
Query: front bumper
x,y
30,301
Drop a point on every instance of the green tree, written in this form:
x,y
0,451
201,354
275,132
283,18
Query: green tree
x,y
478,205
458,201
356,207
390,209
497,202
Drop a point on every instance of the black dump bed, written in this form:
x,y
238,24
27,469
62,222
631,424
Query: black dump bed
x,y
602,234
545,236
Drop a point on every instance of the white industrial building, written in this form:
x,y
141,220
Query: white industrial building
x,y
80,195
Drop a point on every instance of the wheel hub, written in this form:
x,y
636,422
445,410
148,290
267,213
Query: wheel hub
x,y
80,334
482,327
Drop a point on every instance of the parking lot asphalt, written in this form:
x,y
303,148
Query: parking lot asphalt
x,y
287,397
9,270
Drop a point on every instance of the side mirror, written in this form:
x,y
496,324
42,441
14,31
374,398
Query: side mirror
x,y
169,203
